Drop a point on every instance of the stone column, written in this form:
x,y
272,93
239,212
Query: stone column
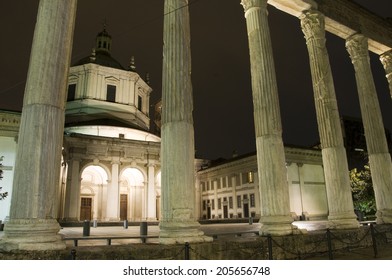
x,y
274,193
72,191
33,224
113,194
178,223
377,148
341,209
151,197
386,59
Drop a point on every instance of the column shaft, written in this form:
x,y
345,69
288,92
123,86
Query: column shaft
x,y
341,209
178,223
33,214
113,194
386,60
377,148
151,197
72,192
273,186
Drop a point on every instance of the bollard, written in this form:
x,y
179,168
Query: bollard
x,y
86,228
329,241
375,250
95,223
143,231
125,224
73,254
187,256
269,239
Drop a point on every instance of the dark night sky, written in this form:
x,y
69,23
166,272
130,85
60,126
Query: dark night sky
x,y
223,113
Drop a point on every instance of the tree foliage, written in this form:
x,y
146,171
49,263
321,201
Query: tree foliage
x,y
362,190
3,195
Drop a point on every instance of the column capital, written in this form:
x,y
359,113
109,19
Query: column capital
x,y
249,4
386,60
357,47
313,25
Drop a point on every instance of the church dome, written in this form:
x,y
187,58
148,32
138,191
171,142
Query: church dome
x,y
101,53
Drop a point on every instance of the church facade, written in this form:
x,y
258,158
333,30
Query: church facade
x,y
111,161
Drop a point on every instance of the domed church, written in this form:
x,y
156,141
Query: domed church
x,y
111,167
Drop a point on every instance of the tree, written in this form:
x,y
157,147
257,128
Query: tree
x,y
4,194
362,190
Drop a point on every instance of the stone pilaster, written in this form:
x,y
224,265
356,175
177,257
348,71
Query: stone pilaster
x,y
113,194
274,194
72,192
386,59
33,213
341,209
151,197
377,148
178,222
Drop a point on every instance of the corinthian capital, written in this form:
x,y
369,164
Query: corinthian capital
x,y
357,47
386,60
313,25
248,4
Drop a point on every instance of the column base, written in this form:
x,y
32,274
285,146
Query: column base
x,y
181,232
343,221
384,216
277,226
32,235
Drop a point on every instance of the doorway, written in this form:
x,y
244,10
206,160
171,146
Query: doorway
x,y
123,207
85,208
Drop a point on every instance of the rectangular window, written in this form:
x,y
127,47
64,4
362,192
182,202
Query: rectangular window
x,y
213,204
71,92
218,183
111,93
252,200
204,205
231,202
203,186
224,182
250,177
237,180
219,203
238,201
139,103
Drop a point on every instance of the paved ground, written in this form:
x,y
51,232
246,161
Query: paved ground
x,y
229,230
384,252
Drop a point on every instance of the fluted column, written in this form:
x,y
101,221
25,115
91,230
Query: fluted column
x,y
178,223
33,224
275,214
341,209
377,148
386,59
113,194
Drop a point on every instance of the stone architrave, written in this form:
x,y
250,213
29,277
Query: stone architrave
x,y
178,223
274,193
377,148
34,204
386,59
341,209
